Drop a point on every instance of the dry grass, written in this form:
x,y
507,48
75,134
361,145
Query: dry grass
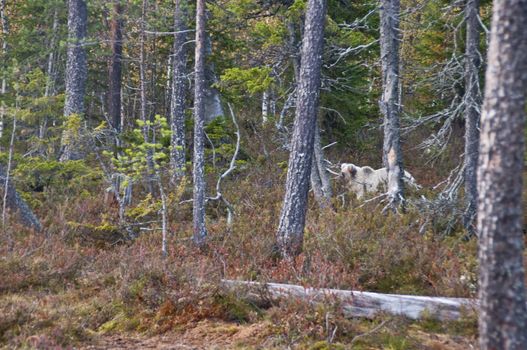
x,y
80,283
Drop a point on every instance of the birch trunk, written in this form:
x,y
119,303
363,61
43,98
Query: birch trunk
x,y
265,106
392,156
473,101
3,88
76,75
200,231
503,314
179,91
292,220
115,72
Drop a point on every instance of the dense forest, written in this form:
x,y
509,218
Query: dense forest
x,y
262,174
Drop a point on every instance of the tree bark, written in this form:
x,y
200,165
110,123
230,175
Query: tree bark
x,y
115,72
392,155
265,106
3,87
142,73
212,100
503,315
142,90
292,220
200,231
179,91
50,71
76,75
17,204
472,114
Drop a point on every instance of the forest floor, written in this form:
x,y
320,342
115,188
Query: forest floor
x,y
85,284
55,295
214,334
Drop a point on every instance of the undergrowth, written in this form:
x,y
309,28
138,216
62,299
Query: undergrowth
x,y
84,277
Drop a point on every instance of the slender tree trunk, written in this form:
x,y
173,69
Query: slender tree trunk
x,y
503,310
11,198
50,81
168,86
142,72
392,155
143,103
8,172
3,87
164,216
294,55
200,231
115,72
292,220
320,182
212,100
265,106
76,75
294,48
179,92
472,114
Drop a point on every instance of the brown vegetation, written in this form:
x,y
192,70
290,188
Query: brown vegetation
x,y
84,282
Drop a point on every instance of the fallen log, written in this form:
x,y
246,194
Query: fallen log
x,y
361,304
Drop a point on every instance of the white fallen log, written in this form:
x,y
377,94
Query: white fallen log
x,y
362,304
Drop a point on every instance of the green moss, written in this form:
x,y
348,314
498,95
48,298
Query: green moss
x,y
121,322
233,308
466,325
395,342
108,326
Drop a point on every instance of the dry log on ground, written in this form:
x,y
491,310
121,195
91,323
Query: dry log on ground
x,y
361,304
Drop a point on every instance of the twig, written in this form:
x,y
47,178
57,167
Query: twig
x,y
169,33
232,167
357,337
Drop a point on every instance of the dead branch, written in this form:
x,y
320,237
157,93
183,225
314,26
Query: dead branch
x,y
361,304
232,167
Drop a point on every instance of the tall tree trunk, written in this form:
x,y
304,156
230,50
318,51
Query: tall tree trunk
x,y
503,310
3,87
115,72
179,92
320,182
212,100
392,155
143,103
76,75
142,73
294,43
292,220
50,81
473,101
200,231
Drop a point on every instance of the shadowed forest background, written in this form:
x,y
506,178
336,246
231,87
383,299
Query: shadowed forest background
x,y
98,248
